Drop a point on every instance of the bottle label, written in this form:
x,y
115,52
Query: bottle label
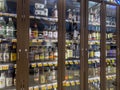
x,y
13,56
42,78
37,57
8,81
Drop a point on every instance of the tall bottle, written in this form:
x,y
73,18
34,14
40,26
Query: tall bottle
x,y
35,31
55,11
46,9
2,27
10,29
2,80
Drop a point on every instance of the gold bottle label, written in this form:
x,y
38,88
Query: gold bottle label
x,y
42,78
13,56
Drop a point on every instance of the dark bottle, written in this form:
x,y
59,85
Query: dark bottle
x,y
35,31
13,52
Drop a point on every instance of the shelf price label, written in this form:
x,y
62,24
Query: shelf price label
x,y
67,84
14,40
72,83
66,62
43,87
70,62
39,64
33,65
5,67
64,83
76,62
30,88
49,86
45,64
55,85
77,82
0,67
36,88
50,64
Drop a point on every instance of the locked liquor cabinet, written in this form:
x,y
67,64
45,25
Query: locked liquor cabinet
x,y
59,44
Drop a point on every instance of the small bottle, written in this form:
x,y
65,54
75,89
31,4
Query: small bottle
x,y
35,31
9,80
36,75
2,27
5,53
55,12
45,9
10,29
2,80
13,52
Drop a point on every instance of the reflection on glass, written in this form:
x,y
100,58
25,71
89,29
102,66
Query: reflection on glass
x,y
43,45
72,54
111,47
94,46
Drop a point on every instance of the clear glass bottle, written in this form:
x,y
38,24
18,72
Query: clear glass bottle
x,y
10,29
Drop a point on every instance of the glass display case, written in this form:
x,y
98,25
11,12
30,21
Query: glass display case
x,y
8,45
43,45
94,46
72,45
111,47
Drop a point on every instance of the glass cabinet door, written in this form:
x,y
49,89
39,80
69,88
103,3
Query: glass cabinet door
x,y
43,45
93,45
111,47
8,46
72,46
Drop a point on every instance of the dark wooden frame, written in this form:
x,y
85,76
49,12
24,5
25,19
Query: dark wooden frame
x,y
23,48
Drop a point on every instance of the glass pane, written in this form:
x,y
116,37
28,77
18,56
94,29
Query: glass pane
x,y
72,54
113,1
94,46
8,44
43,45
111,47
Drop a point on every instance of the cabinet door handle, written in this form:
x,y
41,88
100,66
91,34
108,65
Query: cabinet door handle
x,y
26,50
23,10
18,55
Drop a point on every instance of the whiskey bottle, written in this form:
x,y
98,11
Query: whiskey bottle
x,y
35,31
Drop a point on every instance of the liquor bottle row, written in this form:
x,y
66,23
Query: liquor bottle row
x,y
40,53
111,67
49,32
72,72
7,78
96,36
43,75
8,52
72,51
7,29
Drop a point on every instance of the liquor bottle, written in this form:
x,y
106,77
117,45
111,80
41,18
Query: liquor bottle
x,y
55,53
51,54
46,53
5,53
9,79
45,9
2,27
10,30
55,11
2,80
53,73
36,75
35,31
42,76
41,49
13,52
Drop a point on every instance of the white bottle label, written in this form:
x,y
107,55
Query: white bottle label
x,y
2,82
8,82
